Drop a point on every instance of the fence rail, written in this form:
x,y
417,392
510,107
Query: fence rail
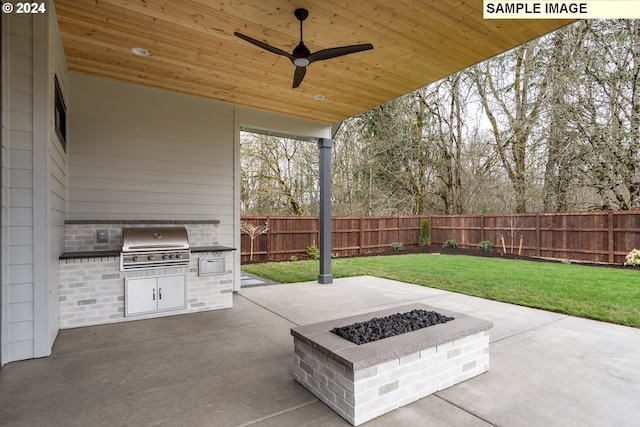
x,y
600,237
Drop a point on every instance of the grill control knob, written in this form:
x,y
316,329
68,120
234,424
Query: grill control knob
x,y
150,257
165,256
134,258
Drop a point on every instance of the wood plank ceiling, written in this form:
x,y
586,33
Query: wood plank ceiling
x,y
193,49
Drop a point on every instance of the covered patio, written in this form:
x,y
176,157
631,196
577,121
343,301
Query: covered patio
x,y
120,113
234,367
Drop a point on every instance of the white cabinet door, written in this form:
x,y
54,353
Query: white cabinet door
x,y
171,292
150,294
140,295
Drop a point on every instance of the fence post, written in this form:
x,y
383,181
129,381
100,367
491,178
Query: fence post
x,y
465,231
266,236
610,237
564,235
430,229
538,236
360,236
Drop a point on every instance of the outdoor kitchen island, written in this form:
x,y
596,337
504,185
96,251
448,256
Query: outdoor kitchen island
x,y
95,287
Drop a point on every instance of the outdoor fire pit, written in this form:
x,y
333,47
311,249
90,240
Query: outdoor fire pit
x,y
363,381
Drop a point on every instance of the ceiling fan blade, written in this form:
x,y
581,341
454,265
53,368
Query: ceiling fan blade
x,y
264,45
338,51
298,75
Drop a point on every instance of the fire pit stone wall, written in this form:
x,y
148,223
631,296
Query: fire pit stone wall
x,y
362,382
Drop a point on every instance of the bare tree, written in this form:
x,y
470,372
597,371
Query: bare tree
x,y
351,176
400,154
514,224
253,231
633,158
279,173
563,150
606,112
512,88
447,104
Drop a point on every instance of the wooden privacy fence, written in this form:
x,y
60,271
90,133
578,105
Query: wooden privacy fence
x,y
602,237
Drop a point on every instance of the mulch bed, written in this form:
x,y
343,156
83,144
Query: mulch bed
x,y
438,249
433,249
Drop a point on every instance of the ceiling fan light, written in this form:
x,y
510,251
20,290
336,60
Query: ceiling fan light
x,y
301,62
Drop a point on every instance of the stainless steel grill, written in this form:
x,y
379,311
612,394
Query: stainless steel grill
x,y
154,247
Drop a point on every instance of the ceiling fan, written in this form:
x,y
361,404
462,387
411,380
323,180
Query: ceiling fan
x,y
302,56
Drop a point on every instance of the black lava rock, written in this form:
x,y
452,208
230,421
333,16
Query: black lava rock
x,y
396,324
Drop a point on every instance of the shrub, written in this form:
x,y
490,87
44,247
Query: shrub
x,y
396,246
633,259
450,244
313,252
486,246
425,232
293,258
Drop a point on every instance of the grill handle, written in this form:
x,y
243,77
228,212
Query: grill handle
x,y
143,247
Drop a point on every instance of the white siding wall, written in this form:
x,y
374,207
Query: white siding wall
x,y
4,113
139,153
18,269
32,222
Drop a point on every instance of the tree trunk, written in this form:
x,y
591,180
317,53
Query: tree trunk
x,y
633,160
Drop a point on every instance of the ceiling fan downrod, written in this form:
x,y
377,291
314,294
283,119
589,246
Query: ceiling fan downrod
x,y
301,52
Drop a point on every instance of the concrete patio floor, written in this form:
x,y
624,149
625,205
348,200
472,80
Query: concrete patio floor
x,y
234,367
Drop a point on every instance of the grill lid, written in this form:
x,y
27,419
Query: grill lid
x,y
154,238
154,247
136,239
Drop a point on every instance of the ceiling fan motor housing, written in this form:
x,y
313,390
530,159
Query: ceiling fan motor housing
x,y
301,52
301,14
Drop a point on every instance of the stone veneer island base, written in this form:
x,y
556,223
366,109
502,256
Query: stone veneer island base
x,y
362,382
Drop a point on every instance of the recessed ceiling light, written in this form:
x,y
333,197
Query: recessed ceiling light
x,y
140,51
318,97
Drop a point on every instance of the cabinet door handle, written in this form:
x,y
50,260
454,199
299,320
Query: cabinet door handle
x,y
159,293
154,294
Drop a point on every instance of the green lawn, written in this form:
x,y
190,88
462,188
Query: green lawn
x,y
607,294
